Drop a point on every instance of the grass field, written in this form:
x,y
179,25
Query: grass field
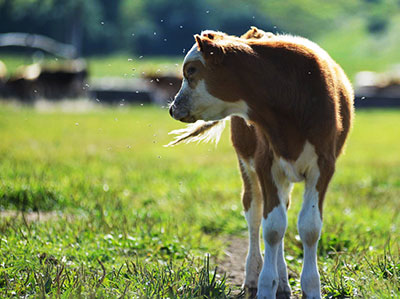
x,y
128,217
119,65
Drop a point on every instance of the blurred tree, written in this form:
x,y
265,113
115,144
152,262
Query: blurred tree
x,y
378,14
166,27
75,21
307,17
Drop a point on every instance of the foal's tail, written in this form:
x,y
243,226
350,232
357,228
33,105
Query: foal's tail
x,y
199,131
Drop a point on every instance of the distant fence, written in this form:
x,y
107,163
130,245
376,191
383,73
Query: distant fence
x,y
47,44
376,102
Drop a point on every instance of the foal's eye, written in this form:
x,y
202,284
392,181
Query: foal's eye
x,y
191,70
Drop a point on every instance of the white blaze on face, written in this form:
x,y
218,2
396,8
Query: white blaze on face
x,y
205,106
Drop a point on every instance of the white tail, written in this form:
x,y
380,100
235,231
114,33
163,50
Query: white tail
x,y
200,131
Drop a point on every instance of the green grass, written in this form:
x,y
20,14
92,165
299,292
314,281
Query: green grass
x,y
120,65
136,219
132,65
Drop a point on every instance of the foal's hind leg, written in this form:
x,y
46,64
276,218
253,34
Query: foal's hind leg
x,y
244,140
310,224
276,188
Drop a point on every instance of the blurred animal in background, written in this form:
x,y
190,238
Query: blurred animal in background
x,y
372,84
33,81
3,74
291,109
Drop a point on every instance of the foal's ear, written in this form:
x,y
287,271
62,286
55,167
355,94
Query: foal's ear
x,y
211,51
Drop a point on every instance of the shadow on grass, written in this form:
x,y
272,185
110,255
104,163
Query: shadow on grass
x,y
27,198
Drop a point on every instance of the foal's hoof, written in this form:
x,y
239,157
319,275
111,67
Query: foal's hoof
x,y
250,293
305,296
283,295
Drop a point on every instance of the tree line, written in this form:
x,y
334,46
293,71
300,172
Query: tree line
x,y
166,27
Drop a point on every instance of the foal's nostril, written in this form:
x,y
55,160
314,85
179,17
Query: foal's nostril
x,y
178,112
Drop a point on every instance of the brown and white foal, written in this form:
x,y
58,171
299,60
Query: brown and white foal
x,y
291,108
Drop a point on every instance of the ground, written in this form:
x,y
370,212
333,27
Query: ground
x,y
121,215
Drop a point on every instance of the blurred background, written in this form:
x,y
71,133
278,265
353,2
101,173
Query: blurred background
x,y
61,49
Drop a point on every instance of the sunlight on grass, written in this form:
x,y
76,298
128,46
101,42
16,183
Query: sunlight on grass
x,y
123,65
126,203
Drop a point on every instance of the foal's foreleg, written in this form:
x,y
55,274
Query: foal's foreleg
x,y
252,203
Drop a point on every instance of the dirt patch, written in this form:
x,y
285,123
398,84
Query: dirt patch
x,y
234,262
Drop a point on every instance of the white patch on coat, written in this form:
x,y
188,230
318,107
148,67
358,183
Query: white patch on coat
x,y
295,171
282,182
206,108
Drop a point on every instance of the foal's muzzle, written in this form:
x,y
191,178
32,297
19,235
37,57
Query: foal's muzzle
x,y
180,111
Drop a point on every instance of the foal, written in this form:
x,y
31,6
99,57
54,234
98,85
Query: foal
x,y
291,108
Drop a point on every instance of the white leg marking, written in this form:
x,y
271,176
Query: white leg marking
x,y
283,286
284,189
253,217
274,227
274,270
309,226
254,259
274,273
